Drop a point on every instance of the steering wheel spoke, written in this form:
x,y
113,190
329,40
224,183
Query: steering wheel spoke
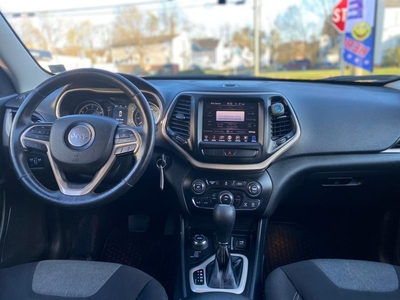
x,y
79,189
37,137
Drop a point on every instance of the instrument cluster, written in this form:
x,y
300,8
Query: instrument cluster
x,y
113,105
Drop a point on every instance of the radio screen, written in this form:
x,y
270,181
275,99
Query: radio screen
x,y
230,121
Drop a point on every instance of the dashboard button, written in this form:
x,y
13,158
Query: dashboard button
x,y
254,204
246,153
240,183
199,186
206,202
218,152
208,152
213,182
197,201
214,196
238,200
245,204
226,183
240,243
254,188
229,152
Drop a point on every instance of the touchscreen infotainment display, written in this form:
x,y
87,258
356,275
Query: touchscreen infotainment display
x,y
230,121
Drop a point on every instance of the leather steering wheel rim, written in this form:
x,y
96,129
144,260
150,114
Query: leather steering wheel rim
x,y
22,122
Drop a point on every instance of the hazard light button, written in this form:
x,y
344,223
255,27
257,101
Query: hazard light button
x,y
229,152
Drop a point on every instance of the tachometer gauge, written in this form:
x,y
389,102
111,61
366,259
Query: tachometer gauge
x,y
137,116
90,108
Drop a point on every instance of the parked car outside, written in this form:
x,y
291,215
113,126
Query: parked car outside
x,y
302,64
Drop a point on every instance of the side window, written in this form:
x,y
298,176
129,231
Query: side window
x,y
6,85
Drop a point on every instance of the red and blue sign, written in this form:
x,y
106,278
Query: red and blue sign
x,y
358,45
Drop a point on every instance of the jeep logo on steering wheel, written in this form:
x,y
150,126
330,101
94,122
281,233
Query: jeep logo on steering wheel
x,y
80,136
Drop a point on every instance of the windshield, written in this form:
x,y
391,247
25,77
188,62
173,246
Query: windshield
x,y
289,39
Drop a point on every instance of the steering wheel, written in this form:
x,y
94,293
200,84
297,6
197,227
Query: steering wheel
x,y
81,144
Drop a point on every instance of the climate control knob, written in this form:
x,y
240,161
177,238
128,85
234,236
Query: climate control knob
x,y
254,188
226,197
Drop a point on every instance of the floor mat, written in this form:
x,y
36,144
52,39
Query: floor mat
x,y
288,243
154,257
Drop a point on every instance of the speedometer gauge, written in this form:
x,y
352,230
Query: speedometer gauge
x,y
90,108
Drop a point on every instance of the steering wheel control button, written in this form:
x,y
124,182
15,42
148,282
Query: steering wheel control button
x,y
124,136
41,132
199,242
35,162
254,188
35,146
80,136
198,186
225,197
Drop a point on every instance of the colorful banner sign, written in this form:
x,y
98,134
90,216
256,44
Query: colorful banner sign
x,y
358,45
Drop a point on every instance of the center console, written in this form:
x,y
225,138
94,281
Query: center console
x,y
229,140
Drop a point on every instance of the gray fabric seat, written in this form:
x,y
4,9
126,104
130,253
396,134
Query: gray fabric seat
x,y
62,279
332,279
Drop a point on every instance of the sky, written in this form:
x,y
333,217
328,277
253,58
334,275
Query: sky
x,y
204,12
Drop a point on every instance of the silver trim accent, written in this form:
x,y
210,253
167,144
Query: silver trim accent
x,y
205,289
8,119
233,167
7,127
71,189
393,85
391,151
108,91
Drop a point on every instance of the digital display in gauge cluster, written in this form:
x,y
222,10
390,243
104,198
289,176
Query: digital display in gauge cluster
x,y
120,114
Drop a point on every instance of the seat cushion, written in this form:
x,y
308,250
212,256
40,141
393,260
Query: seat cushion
x,y
334,279
56,279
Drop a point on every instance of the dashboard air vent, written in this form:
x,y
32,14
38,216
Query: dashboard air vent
x,y
281,123
179,122
35,117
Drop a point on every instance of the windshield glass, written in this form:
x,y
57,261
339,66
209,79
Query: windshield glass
x,y
290,39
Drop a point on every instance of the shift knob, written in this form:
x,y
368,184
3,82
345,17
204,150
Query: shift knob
x,y
224,218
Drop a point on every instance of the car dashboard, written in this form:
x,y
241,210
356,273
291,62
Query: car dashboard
x,y
239,142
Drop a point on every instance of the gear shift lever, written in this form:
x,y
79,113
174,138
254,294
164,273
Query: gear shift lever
x,y
224,219
224,272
